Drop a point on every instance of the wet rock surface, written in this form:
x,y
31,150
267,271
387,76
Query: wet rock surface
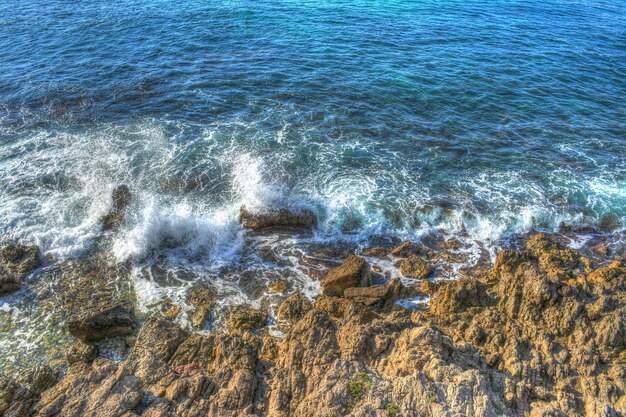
x,y
543,333
302,219
17,261
121,198
105,318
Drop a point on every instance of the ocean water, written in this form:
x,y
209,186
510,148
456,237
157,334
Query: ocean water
x,y
476,119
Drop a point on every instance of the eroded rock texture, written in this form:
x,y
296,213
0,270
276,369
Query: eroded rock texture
x,y
541,335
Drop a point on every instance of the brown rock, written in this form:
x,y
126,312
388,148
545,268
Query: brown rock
x,y
354,272
304,219
415,267
376,252
291,310
405,249
243,318
368,295
102,319
203,299
277,287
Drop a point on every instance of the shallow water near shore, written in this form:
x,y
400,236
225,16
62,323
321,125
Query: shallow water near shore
x,y
425,121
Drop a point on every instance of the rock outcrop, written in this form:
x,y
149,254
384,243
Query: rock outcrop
x,y
271,218
543,334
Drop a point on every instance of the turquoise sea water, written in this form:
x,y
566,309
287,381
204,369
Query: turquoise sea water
x,y
394,118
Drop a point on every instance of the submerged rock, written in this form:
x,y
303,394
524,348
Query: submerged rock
x,y
17,261
102,319
354,272
303,219
121,198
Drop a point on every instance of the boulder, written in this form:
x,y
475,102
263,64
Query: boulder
x,y
368,295
302,219
17,261
388,294
415,267
243,318
354,272
102,319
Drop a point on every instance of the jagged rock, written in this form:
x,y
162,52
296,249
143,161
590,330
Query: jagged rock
x,y
17,261
102,319
292,309
458,296
17,397
405,249
9,283
203,299
520,341
415,267
354,272
243,318
121,198
304,219
81,352
555,260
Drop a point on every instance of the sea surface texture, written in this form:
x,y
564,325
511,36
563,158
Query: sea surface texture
x,y
389,119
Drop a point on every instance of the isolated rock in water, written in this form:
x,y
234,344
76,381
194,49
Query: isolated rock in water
x,y
246,319
121,197
17,261
277,218
415,267
102,319
354,272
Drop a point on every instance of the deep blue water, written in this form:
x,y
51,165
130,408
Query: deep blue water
x,y
385,117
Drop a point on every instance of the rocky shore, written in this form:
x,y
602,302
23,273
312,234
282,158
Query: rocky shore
x,y
542,333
